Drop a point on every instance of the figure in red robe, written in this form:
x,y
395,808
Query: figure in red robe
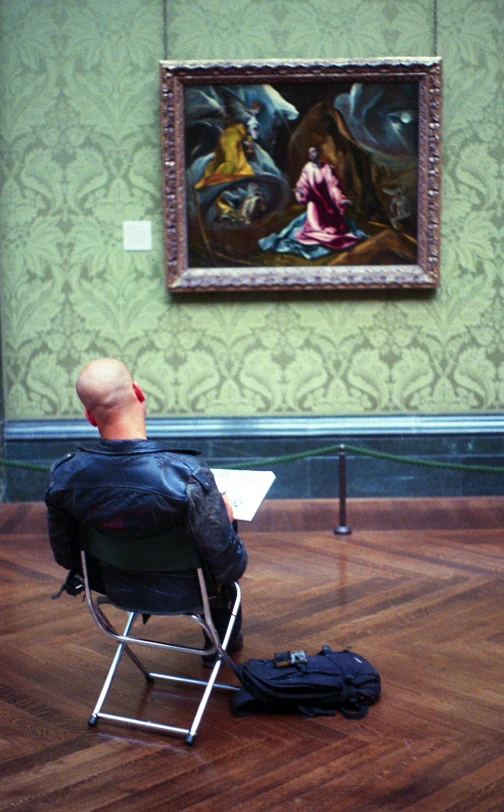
x,y
320,190
323,227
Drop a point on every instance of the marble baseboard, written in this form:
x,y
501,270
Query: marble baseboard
x,y
459,439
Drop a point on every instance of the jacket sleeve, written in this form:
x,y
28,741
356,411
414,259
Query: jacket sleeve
x,y
64,538
207,521
63,529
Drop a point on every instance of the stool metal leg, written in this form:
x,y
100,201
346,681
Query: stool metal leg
x,y
110,676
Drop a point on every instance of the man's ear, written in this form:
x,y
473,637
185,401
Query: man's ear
x,y
89,417
138,392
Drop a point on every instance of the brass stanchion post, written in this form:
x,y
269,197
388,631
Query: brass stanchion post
x,y
342,529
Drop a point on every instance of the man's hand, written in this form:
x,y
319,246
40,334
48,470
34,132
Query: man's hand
x,y
229,507
73,585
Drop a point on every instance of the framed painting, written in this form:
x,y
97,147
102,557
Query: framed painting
x,y
299,176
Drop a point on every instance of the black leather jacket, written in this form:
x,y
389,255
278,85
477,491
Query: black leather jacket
x,y
120,484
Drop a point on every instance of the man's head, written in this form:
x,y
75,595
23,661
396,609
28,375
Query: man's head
x,y
113,402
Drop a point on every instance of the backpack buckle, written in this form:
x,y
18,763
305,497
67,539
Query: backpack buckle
x,y
284,658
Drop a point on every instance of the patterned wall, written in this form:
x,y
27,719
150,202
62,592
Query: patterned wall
x,y
79,137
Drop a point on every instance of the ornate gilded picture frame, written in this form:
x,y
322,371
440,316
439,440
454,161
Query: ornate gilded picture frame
x,y
299,176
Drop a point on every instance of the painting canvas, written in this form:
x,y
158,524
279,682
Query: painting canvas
x,y
313,175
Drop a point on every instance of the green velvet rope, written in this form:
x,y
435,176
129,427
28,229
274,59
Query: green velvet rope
x,y
315,452
30,466
365,452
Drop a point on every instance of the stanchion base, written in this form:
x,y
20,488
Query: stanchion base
x,y
342,530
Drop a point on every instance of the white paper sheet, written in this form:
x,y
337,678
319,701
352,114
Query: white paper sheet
x,y
245,489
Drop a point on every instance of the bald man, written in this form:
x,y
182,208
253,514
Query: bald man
x,y
127,481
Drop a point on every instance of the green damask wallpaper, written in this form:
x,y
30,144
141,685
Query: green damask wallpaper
x,y
79,138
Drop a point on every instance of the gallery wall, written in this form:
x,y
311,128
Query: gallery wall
x,y
79,137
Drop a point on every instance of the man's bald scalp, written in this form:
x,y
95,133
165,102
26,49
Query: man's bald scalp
x,y
104,384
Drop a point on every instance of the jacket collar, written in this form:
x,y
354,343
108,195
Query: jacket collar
x,y
127,447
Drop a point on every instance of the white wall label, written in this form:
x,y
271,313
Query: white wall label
x,y
137,235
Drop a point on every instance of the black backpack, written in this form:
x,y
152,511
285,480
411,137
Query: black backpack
x,y
313,685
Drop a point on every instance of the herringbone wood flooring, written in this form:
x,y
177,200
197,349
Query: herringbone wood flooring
x,y
418,589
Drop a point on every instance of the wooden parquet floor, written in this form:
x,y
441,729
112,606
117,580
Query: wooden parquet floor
x,y
417,588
